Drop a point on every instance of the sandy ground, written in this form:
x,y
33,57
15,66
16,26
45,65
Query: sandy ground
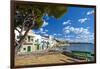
x,y
44,59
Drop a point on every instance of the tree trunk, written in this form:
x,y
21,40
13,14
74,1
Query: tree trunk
x,y
22,38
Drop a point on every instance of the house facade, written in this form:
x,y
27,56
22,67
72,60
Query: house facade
x,y
34,43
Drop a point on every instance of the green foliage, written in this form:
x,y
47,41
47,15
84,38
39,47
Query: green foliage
x,y
56,10
39,10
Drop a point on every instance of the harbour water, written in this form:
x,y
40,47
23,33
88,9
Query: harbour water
x,y
87,47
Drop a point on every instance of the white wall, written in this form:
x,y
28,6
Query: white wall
x,y
5,34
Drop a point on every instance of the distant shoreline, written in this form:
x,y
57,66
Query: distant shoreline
x,y
79,43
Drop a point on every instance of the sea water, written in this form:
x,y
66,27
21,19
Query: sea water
x,y
87,47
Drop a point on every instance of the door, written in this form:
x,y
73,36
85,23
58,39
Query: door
x,y
29,49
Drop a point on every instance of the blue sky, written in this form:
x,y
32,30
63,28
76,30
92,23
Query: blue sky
x,y
77,24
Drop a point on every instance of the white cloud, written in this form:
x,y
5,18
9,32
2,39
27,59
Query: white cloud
x,y
47,17
90,12
70,36
85,37
88,27
67,31
74,30
54,34
46,30
44,23
79,34
43,32
46,35
67,22
67,27
41,29
82,20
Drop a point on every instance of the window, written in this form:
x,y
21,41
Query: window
x,y
37,46
29,38
24,48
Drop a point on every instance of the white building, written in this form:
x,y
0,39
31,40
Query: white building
x,y
33,43
28,44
